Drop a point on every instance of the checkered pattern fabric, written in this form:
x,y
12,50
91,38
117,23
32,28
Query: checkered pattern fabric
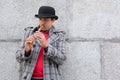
x,y
53,58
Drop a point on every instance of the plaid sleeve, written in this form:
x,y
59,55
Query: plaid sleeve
x,y
57,54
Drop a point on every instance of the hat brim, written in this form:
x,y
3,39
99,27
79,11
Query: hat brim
x,y
46,16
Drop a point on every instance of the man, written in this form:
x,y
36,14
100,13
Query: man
x,y
43,48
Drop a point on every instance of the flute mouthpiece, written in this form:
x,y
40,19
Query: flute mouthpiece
x,y
40,28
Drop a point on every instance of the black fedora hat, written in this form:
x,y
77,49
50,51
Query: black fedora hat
x,y
46,12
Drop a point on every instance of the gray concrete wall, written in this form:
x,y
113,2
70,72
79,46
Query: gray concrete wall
x,y
93,36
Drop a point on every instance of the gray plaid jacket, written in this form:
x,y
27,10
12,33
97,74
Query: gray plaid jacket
x,y
52,58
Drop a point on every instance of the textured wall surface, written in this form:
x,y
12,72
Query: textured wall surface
x,y
93,36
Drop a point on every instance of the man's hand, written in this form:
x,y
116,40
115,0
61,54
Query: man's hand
x,y
38,35
29,43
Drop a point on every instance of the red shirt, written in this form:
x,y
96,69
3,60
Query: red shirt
x,y
38,71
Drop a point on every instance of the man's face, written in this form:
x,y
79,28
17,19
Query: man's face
x,y
46,22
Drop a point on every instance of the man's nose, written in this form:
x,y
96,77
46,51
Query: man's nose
x,y
43,24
